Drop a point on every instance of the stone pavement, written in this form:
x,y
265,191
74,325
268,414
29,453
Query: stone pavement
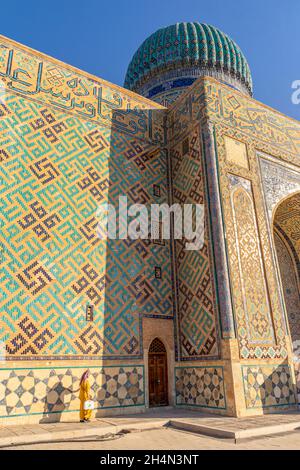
x,y
168,439
182,419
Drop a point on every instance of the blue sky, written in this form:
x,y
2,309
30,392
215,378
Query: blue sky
x,y
101,37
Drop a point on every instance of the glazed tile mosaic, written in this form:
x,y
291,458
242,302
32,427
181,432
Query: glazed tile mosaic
x,y
236,114
221,100
196,299
267,386
251,295
70,142
53,83
172,58
56,390
200,386
56,170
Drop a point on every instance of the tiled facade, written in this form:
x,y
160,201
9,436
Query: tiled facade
x,y
69,142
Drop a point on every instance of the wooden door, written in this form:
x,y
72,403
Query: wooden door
x,y
158,377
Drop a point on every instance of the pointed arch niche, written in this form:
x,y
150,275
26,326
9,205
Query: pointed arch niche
x,y
286,230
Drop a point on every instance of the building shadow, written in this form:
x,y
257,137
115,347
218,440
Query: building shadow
x,y
56,402
272,389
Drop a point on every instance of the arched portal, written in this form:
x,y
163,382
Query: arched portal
x,y
286,226
158,374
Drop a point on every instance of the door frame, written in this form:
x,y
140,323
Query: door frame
x,y
163,329
166,381
169,375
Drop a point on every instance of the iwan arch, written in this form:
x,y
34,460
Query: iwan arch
x,y
215,329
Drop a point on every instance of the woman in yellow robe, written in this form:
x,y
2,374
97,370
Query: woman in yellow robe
x,y
84,395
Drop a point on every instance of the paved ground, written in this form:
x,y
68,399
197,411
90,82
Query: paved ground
x,y
169,439
33,436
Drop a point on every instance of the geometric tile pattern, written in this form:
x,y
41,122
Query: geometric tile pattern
x,y
226,314
56,169
196,291
258,312
200,386
268,385
251,296
69,142
243,126
232,115
55,390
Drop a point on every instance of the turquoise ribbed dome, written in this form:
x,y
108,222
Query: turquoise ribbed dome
x,y
187,45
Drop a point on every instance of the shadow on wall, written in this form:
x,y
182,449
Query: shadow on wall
x,y
136,274
269,388
297,373
57,401
118,276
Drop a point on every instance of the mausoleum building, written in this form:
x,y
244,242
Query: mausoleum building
x,y
215,329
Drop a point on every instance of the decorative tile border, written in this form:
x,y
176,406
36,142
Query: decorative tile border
x,y
46,391
46,80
